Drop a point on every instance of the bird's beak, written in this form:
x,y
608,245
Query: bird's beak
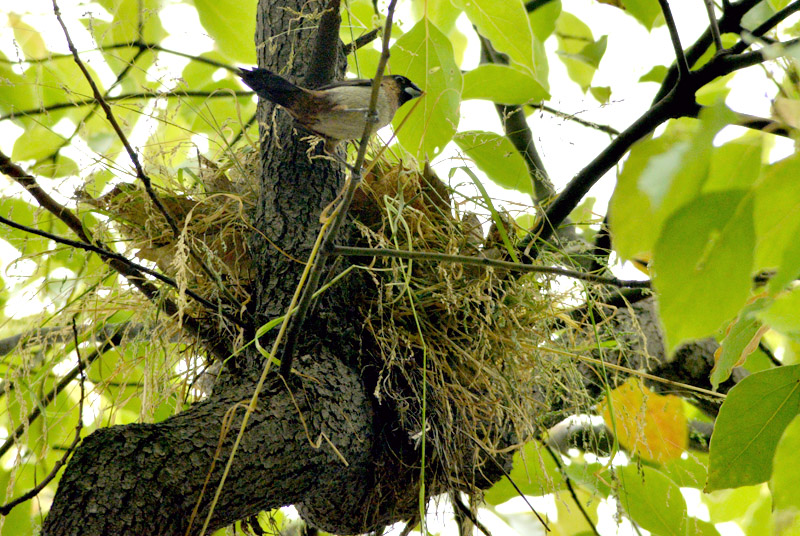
x,y
413,91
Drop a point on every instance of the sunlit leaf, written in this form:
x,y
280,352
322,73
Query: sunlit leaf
x,y
232,24
751,421
648,424
496,156
543,19
502,84
702,264
28,38
783,313
741,339
506,25
425,55
652,500
645,11
578,49
786,470
656,74
777,204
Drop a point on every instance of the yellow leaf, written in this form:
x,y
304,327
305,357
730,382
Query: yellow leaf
x,y
648,424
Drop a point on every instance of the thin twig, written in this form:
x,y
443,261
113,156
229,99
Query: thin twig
x,y
361,41
432,256
572,117
6,508
683,65
571,489
214,94
107,254
712,24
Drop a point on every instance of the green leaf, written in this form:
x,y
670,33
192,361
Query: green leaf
x,y
652,500
741,339
61,167
502,84
36,143
442,13
783,314
702,264
785,469
688,472
735,165
425,55
16,94
534,472
496,156
750,424
777,205
656,74
543,20
789,268
645,11
578,50
730,504
506,25
29,40
232,24
601,93
659,176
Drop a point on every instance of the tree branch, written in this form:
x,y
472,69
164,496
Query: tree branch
x,y
679,102
107,254
767,25
683,65
432,256
128,96
322,67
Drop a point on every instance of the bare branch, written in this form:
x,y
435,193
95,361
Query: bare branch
x,y
683,65
432,256
322,67
107,254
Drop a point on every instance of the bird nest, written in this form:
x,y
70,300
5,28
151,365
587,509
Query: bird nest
x,y
463,358
464,355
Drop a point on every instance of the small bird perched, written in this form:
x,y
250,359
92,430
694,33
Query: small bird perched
x,y
337,111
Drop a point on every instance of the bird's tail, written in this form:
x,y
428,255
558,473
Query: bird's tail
x,y
270,86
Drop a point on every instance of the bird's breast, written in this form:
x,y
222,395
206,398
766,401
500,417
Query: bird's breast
x,y
346,117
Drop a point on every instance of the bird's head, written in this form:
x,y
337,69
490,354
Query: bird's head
x,y
407,89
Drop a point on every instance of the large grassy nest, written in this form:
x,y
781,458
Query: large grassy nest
x,y
463,353
461,347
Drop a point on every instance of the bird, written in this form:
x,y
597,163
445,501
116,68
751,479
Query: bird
x,y
337,111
